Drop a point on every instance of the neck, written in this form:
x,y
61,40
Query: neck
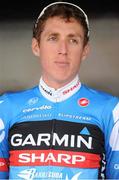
x,y
56,84
61,93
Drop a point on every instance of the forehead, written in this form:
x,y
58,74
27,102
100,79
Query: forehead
x,y
60,24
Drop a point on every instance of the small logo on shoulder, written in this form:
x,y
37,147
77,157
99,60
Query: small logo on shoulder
x,y
33,101
83,102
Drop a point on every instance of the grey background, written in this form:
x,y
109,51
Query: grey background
x,y
20,69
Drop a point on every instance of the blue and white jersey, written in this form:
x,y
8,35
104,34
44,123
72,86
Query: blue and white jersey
x,y
67,134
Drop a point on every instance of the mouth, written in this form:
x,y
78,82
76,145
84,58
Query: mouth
x,y
62,63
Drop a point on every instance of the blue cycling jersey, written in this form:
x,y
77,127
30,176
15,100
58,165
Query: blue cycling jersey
x,y
65,134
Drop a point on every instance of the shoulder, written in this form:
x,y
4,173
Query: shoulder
x,y
100,97
18,97
12,104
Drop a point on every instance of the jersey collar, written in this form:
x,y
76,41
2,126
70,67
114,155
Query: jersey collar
x,y
60,94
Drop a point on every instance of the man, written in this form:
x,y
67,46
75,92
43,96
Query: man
x,y
61,129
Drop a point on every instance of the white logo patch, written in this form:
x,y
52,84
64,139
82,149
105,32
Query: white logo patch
x,y
2,132
114,138
1,102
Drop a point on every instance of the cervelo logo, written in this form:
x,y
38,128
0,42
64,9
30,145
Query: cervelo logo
x,y
114,138
30,174
43,107
2,132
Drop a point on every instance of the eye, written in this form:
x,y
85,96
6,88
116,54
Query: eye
x,y
74,41
52,38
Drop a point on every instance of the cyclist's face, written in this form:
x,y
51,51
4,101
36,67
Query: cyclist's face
x,y
61,50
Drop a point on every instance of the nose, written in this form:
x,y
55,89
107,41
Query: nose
x,y
62,49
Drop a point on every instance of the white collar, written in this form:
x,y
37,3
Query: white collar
x,y
62,93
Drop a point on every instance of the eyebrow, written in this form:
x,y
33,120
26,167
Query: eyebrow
x,y
52,33
75,35
70,35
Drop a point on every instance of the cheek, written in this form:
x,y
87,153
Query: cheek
x,y
76,59
47,55
46,52
44,56
76,66
44,63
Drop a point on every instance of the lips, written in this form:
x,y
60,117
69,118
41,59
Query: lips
x,y
62,63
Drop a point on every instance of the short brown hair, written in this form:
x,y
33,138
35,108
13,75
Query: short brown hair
x,y
65,11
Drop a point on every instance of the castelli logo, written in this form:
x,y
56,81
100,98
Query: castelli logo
x,y
83,102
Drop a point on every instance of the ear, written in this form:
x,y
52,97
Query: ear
x,y
86,51
35,47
